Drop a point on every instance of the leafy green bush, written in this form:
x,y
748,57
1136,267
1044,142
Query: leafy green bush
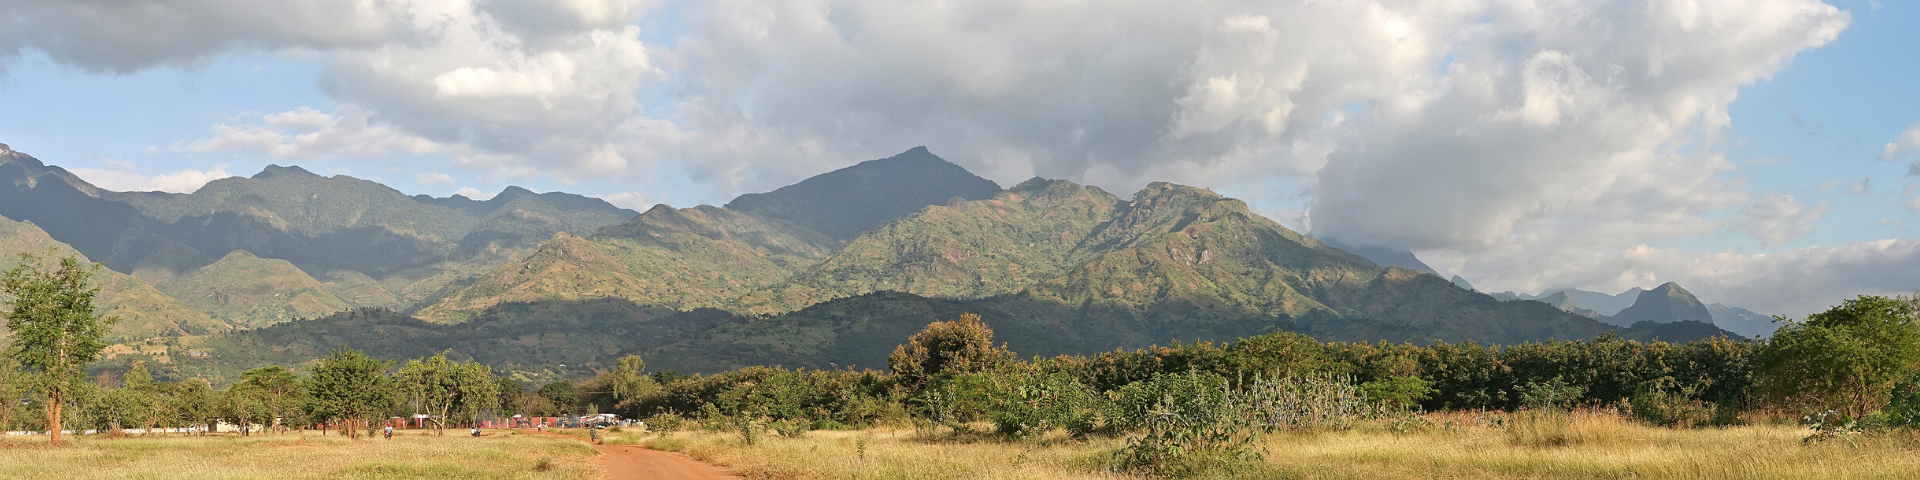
x,y
1398,393
1028,402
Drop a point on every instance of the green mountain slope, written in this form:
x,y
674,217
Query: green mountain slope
x,y
144,312
535,342
964,249
250,292
678,258
844,203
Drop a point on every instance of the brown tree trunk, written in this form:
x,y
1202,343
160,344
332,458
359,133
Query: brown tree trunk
x,y
53,417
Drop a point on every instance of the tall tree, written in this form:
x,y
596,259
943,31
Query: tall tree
x,y
449,390
12,389
277,390
1846,358
55,331
631,380
962,345
352,388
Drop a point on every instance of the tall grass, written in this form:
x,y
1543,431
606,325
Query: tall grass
x,y
408,455
1578,444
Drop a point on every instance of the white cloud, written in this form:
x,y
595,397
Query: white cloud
x,y
636,201
125,179
122,37
1793,282
472,193
1777,218
433,178
305,133
1504,137
1907,143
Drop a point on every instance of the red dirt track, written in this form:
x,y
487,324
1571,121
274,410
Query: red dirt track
x,y
630,461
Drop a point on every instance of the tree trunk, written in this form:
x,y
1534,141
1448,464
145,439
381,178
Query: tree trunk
x,y
53,417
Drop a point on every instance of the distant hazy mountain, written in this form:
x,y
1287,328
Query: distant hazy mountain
x,y
1664,304
1745,322
843,203
1599,303
836,269
1566,303
1462,283
1386,257
372,245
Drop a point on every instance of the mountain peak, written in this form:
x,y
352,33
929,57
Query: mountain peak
x,y
843,203
1664,304
276,171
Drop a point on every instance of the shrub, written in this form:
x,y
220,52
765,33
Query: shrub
x,y
1658,406
1398,393
1029,403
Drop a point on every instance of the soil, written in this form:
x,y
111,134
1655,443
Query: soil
x,y
631,461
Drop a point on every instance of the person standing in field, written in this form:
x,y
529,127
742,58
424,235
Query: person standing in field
x,y
389,432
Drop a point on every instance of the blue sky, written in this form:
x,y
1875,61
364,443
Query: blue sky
x,y
1498,140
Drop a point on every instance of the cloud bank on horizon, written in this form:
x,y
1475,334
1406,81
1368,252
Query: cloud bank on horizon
x,y
1524,144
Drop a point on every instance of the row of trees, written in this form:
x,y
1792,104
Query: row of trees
x,y
1851,361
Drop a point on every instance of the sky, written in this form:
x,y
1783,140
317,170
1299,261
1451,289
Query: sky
x,y
1762,153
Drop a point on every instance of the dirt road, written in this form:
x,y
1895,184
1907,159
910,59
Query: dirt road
x,y
628,461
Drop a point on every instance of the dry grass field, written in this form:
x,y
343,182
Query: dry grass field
x,y
1581,445
411,454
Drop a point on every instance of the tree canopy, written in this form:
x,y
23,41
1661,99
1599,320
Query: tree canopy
x,y
55,331
1846,358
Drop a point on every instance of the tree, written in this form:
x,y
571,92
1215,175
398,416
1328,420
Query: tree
x,y
631,379
278,392
352,388
1846,358
12,389
55,331
561,397
195,403
963,345
446,389
157,407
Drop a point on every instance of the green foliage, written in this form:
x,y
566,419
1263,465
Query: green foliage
x,y
562,398
351,388
278,393
958,346
1554,394
1398,393
448,390
55,331
1026,402
1657,404
1846,358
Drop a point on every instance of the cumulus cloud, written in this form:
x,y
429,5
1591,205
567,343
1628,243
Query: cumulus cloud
x,y
1501,138
1906,144
122,37
123,178
472,193
1777,218
433,178
305,133
636,201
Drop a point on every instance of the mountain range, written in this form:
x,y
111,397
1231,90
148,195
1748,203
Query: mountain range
x,y
1666,303
831,271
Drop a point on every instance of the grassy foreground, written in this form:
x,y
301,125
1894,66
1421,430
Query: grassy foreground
x,y
1582,445
411,454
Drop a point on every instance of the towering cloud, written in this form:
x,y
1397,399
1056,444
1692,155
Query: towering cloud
x,y
1458,128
